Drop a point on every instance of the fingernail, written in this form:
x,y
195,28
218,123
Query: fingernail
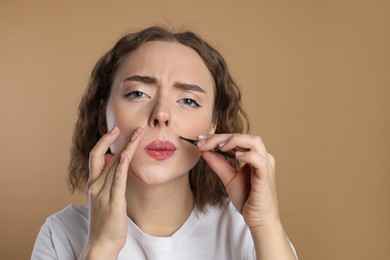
x,y
221,144
114,130
239,153
201,137
201,142
135,134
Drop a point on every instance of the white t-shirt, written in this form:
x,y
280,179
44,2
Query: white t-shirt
x,y
218,233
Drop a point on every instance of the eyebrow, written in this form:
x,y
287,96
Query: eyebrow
x,y
192,87
142,79
153,80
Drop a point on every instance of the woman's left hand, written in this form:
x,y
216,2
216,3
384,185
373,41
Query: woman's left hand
x,y
252,188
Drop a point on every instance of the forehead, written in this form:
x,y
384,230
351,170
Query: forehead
x,y
167,61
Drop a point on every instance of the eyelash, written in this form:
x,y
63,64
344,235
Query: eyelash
x,y
189,102
193,104
135,95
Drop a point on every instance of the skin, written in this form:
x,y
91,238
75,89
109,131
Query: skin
x,y
164,109
251,189
151,99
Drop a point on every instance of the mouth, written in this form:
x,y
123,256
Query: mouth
x,y
160,150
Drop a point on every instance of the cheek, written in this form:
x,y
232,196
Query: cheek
x,y
126,121
195,127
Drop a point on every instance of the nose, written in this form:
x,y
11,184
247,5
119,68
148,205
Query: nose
x,y
160,116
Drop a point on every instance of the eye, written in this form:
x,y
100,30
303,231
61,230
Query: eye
x,y
134,95
189,102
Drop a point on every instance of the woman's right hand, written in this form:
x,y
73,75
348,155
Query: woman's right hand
x,y
107,201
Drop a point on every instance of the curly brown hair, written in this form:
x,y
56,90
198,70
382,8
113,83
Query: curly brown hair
x,y
228,113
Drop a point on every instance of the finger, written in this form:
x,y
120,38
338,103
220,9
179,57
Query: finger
x,y
232,142
220,166
118,189
133,143
210,142
96,156
128,151
243,142
271,159
111,162
239,187
260,163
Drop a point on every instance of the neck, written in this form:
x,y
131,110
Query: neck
x,y
159,210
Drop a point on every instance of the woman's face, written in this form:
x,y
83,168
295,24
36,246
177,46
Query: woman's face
x,y
165,88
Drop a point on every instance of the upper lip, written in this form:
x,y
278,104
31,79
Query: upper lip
x,y
160,145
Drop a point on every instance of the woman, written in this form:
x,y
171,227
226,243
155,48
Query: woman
x,y
153,195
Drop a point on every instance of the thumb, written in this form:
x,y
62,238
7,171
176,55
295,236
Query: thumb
x,y
220,166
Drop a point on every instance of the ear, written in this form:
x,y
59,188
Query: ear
x,y
102,121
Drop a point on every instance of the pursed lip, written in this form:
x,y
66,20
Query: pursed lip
x,y
160,150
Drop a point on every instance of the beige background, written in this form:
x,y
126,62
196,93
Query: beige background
x,y
316,83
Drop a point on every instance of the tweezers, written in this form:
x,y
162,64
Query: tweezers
x,y
194,142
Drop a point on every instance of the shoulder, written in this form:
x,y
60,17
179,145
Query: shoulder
x,y
71,223
72,214
63,233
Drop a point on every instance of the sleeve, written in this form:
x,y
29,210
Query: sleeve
x,y
252,252
54,242
44,246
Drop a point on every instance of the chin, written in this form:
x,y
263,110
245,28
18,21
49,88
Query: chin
x,y
156,174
